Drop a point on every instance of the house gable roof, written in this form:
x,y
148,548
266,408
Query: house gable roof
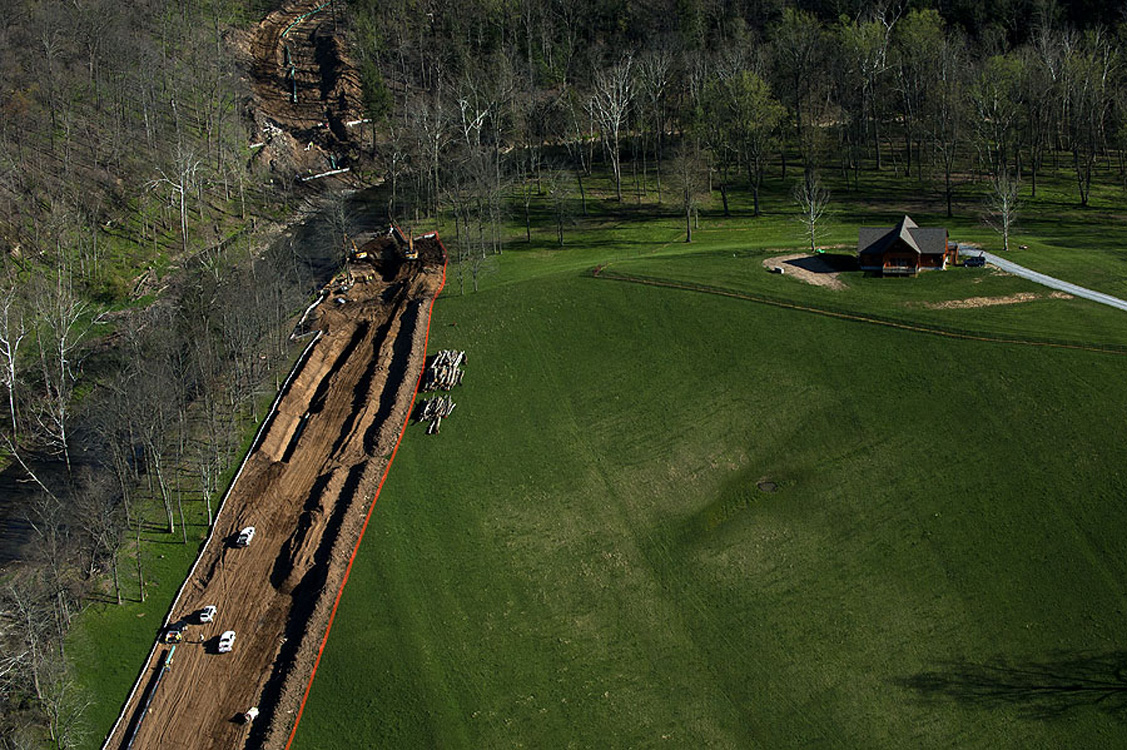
x,y
921,240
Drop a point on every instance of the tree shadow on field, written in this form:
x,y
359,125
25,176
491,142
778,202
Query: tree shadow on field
x,y
1049,689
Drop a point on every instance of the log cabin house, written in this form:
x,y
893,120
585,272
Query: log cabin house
x,y
905,249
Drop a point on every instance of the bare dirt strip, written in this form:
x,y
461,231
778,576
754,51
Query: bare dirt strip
x,y
306,487
973,303
297,46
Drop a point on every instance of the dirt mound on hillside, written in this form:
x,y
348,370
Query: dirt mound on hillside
x,y
307,93
812,269
306,487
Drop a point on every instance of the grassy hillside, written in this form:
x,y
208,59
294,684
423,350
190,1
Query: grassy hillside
x,y
589,521
583,556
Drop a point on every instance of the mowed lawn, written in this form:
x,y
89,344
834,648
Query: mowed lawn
x,y
583,558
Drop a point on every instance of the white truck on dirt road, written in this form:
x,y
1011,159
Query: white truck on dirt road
x,y
244,537
226,641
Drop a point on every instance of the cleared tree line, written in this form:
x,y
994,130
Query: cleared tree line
x,y
139,318
161,419
123,149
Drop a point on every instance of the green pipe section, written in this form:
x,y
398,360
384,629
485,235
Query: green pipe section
x,y
304,16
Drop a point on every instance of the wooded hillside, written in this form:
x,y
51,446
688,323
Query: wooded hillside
x,y
139,315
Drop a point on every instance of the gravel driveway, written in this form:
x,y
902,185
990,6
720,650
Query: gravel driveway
x,y
1049,281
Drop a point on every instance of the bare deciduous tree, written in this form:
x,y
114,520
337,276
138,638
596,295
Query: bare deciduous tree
x,y
654,82
948,107
62,319
12,333
609,105
560,197
865,54
1002,203
99,509
812,200
181,179
994,94
65,703
1089,75
687,174
429,118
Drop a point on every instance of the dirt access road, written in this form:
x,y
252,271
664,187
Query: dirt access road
x,y
306,487
308,482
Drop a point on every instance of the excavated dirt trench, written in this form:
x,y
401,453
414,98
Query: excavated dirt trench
x,y
306,487
306,90
307,483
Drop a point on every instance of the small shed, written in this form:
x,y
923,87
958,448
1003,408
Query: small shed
x,y
905,249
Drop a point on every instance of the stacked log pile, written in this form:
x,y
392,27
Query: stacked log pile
x,y
445,372
434,411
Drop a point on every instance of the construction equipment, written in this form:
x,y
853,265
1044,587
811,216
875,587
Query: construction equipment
x,y
226,641
357,253
245,537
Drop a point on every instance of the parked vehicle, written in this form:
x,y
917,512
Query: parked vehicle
x,y
250,715
207,614
226,641
245,536
974,261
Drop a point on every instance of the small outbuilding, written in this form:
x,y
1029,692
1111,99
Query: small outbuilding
x,y
905,249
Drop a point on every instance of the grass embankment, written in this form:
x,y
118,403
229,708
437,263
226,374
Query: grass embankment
x,y
583,556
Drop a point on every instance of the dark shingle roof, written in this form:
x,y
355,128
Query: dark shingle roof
x,y
930,240
869,239
924,240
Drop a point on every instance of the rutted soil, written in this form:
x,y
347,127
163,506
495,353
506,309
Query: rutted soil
x,y
306,487
307,92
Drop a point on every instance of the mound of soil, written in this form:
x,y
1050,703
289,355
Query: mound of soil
x,y
306,488
813,269
306,90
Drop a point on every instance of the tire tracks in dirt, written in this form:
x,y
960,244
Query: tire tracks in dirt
x,y
308,488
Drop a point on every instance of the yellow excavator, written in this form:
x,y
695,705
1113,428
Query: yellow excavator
x,y
357,253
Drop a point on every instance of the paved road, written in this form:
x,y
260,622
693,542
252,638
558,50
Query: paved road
x,y
1049,281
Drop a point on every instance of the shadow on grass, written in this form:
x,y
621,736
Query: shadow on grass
x,y
826,263
1047,689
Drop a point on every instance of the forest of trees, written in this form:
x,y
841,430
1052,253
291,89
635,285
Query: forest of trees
x,y
932,92
135,322
138,316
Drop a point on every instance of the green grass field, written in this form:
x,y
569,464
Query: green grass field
x,y
583,557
